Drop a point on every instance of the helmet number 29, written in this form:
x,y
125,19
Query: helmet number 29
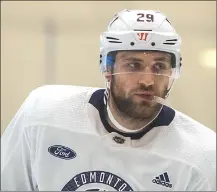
x,y
142,17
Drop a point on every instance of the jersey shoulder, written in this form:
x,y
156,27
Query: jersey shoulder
x,y
57,104
190,143
61,92
195,144
198,141
193,131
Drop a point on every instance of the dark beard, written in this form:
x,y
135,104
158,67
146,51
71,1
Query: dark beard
x,y
129,108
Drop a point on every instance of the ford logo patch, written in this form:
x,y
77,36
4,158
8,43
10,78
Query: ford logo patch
x,y
62,152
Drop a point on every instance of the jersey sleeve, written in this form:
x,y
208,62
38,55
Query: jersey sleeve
x,y
201,180
16,152
208,165
204,186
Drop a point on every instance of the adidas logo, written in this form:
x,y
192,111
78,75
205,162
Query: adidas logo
x,y
163,179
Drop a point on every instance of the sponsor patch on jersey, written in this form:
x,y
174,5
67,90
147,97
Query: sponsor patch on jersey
x,y
97,181
62,152
163,179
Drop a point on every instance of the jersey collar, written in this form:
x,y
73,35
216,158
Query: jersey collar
x,y
98,100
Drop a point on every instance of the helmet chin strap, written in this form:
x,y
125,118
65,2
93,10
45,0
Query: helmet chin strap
x,y
157,99
123,129
111,117
161,100
120,127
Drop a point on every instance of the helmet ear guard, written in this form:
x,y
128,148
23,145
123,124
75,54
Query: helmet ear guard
x,y
139,30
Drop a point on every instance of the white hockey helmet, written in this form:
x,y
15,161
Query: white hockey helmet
x,y
146,30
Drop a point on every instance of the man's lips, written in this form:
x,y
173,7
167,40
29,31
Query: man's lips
x,y
147,95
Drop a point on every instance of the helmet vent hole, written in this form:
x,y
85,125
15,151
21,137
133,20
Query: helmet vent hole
x,y
153,43
132,43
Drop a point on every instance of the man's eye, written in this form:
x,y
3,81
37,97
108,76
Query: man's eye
x,y
134,65
160,66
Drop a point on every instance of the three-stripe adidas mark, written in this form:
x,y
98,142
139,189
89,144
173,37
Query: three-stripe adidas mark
x,y
163,179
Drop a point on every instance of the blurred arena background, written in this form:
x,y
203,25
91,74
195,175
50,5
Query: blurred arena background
x,y
57,42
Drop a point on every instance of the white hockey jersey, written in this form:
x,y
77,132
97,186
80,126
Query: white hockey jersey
x,y
59,140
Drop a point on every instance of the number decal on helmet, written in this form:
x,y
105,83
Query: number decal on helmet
x,y
142,15
149,17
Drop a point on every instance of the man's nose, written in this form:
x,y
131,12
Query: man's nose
x,y
146,77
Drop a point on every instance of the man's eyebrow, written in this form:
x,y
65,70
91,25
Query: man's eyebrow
x,y
126,56
162,58
132,59
138,59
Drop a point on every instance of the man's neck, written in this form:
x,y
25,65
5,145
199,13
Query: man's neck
x,y
125,121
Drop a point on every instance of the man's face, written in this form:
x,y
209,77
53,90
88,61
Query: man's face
x,y
143,76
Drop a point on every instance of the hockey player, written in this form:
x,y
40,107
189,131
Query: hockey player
x,y
121,138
